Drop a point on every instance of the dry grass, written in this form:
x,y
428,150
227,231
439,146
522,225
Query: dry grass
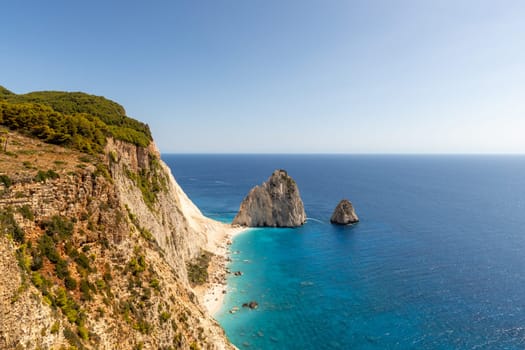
x,y
23,157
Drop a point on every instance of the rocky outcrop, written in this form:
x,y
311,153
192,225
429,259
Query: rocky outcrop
x,y
344,213
252,305
276,203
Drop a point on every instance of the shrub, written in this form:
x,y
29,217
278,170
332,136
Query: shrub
x,y
113,156
72,338
107,276
68,306
164,316
70,283
58,227
55,327
83,332
4,179
61,269
70,250
42,176
144,232
101,285
150,182
52,175
27,212
198,269
137,265
102,170
146,294
37,280
155,284
36,262
85,159
143,326
83,261
46,245
9,225
23,260
19,234
85,289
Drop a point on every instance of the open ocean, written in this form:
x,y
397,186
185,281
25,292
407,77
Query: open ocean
x,y
437,261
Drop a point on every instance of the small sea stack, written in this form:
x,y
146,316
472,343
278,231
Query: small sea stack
x,y
344,214
276,203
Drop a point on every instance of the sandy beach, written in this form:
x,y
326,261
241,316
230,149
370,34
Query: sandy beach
x,y
211,294
218,237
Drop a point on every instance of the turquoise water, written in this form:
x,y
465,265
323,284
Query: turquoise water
x,y
437,261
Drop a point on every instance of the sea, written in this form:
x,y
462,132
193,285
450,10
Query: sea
x,y
437,260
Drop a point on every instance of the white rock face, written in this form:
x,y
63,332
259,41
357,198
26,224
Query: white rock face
x,y
276,203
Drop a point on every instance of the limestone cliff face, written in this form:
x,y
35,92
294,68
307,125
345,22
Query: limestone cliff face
x,y
96,256
344,213
276,203
176,224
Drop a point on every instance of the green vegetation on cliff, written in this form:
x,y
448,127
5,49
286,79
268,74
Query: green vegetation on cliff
x,y
198,268
72,119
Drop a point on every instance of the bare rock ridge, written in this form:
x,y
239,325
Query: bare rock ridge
x,y
276,203
344,214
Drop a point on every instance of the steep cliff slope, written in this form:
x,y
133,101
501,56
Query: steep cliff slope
x,y
94,250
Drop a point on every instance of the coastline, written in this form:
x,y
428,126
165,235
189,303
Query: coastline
x,y
211,294
218,236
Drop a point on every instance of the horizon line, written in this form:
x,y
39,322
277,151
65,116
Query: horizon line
x,y
339,154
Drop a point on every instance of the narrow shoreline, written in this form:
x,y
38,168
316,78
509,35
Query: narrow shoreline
x,y
218,236
211,294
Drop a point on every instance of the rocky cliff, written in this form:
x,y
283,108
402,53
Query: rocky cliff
x,y
94,251
276,203
344,213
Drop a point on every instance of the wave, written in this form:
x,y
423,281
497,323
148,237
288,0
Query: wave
x,y
316,220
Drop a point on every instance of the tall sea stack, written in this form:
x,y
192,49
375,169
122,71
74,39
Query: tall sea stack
x,y
276,203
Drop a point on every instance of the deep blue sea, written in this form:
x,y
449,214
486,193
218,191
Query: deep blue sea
x,y
436,262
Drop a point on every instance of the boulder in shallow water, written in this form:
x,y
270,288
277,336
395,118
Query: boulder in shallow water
x,y
344,213
276,203
252,305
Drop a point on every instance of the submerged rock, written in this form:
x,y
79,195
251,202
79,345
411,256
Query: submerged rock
x,y
344,213
252,305
276,203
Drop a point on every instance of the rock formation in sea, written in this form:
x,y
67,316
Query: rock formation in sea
x,y
276,203
344,213
252,305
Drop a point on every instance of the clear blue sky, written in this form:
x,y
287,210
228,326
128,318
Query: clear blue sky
x,y
283,76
